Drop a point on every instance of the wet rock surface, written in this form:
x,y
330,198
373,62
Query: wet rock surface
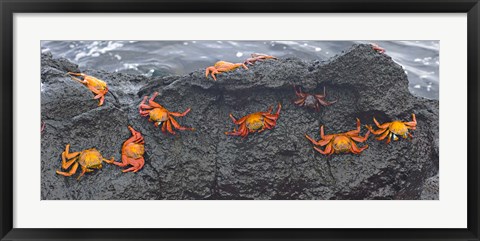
x,y
275,164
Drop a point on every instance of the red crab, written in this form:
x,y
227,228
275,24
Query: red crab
x,y
258,57
132,152
378,48
162,116
311,101
255,122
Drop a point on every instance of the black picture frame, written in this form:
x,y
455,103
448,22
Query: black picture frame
x,y
9,7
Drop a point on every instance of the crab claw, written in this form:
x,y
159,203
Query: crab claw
x,y
279,108
77,74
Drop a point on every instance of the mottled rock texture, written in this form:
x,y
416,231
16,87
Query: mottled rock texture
x,y
275,164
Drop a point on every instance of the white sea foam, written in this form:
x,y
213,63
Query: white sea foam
x,y
149,73
96,50
130,66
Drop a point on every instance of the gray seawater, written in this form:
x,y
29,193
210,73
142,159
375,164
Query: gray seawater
x,y
419,59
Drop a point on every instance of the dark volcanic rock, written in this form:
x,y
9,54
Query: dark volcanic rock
x,y
275,164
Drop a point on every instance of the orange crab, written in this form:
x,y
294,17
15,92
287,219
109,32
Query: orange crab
x,y
222,66
97,86
162,116
393,129
340,143
87,159
258,57
255,122
132,152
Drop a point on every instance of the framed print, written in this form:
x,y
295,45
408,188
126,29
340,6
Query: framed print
x,y
238,120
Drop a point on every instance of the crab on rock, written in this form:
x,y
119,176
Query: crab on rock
x,y
97,86
378,48
394,129
222,66
311,101
132,152
258,57
161,116
255,122
87,160
340,143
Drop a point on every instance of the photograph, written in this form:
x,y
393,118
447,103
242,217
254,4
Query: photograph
x,y
239,120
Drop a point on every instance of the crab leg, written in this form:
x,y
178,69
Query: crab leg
x,y
325,103
66,164
278,110
109,161
328,150
358,125
323,136
169,127
141,163
213,70
299,93
300,102
145,113
239,122
320,95
71,172
102,99
136,165
263,128
359,138
164,126
77,79
152,103
69,155
95,91
139,140
382,126
389,138
178,126
377,132
412,123
270,108
270,122
133,131
143,105
177,114
356,150
242,131
321,142
84,169
383,136
123,163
